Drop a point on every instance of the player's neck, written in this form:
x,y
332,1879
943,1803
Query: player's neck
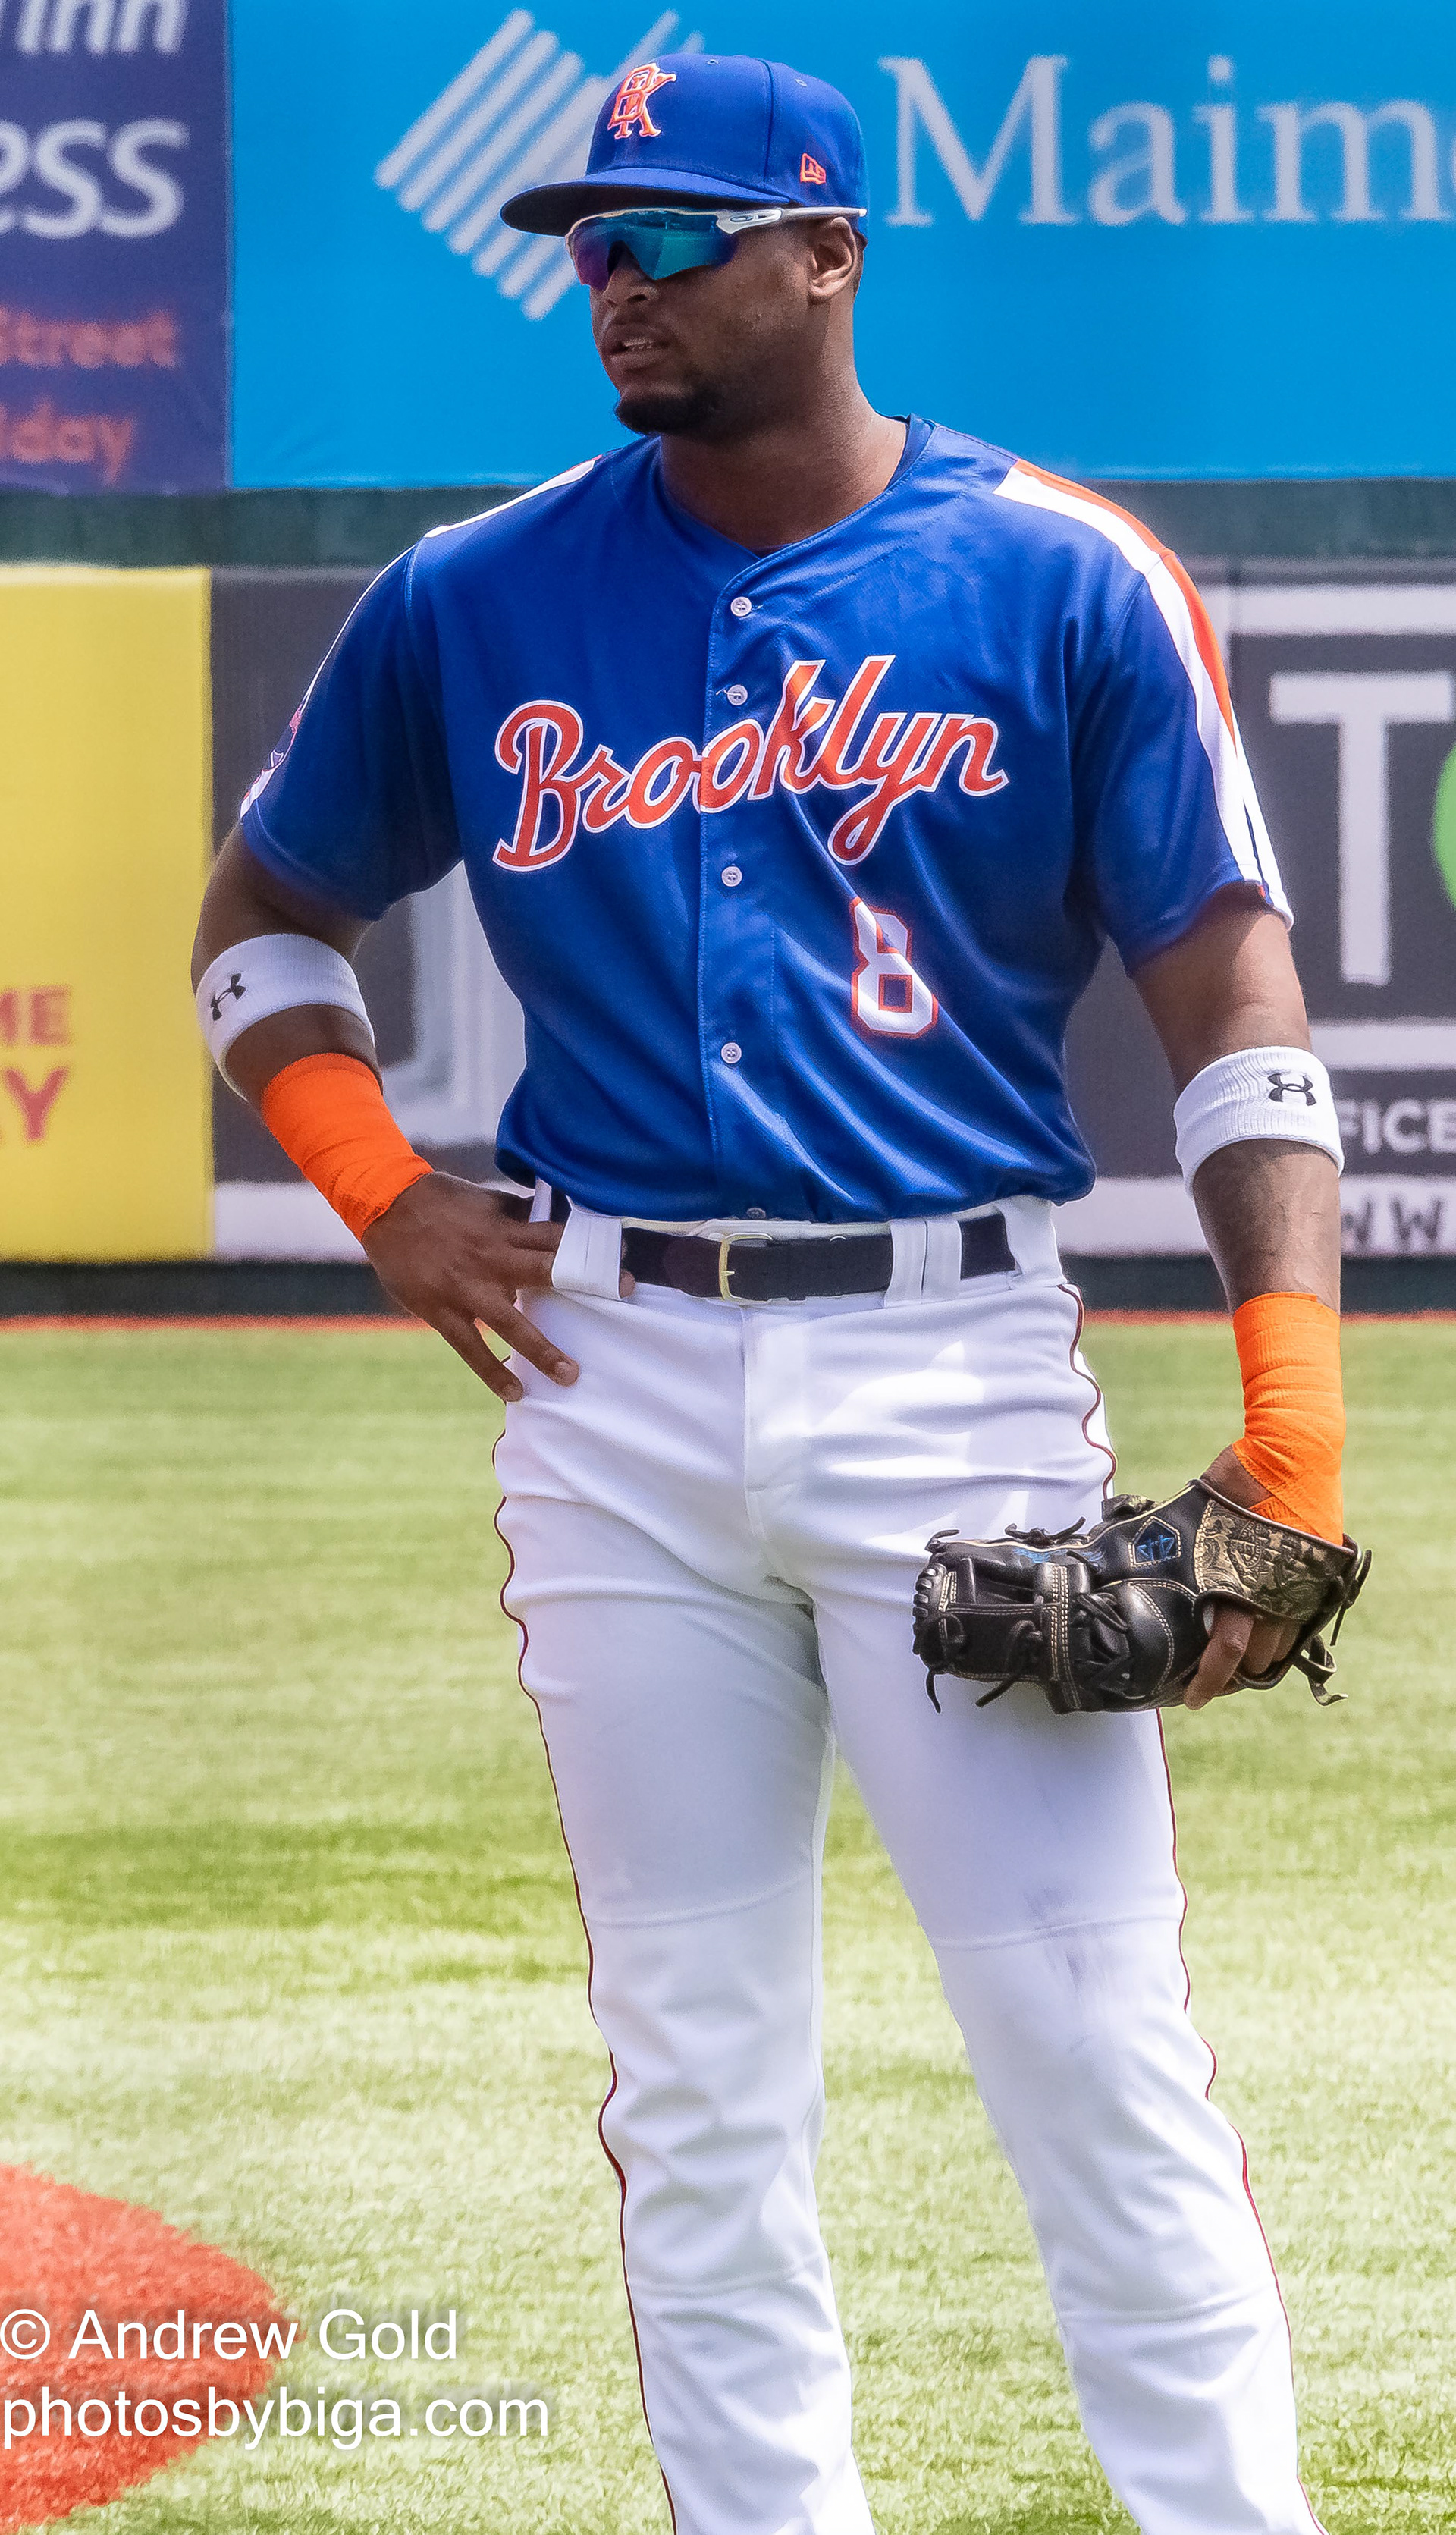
x,y
791,475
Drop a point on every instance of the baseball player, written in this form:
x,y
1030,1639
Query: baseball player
x,y
800,758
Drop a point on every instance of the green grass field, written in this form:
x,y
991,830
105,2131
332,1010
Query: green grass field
x,y
291,1952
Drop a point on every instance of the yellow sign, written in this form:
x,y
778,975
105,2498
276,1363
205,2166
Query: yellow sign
x,y
105,775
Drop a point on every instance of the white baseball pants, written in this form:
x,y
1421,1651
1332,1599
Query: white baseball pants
x,y
714,1535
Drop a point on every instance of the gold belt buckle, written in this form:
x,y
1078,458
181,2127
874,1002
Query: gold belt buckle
x,y
725,1287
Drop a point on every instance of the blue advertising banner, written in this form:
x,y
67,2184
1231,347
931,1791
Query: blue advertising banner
x,y
1122,238
113,245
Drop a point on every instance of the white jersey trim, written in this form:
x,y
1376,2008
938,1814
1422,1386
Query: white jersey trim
x,y
552,484
1239,815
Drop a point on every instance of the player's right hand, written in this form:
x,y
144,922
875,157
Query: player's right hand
x,y
452,1255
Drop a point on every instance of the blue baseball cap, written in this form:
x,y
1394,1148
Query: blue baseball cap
x,y
709,129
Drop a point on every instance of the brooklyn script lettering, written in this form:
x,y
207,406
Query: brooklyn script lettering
x,y
563,793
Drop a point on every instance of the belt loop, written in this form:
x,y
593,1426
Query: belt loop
x,y
1031,1229
941,1257
589,1255
907,1257
540,1203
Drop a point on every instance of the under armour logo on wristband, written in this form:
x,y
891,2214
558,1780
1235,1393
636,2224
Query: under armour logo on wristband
x,y
233,987
1293,1086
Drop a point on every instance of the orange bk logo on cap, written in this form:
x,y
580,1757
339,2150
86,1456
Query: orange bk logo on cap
x,y
629,113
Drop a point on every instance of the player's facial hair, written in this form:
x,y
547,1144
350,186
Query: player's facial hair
x,y
725,409
690,412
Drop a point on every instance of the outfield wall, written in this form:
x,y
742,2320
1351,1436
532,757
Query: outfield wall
x,y
105,1111
140,704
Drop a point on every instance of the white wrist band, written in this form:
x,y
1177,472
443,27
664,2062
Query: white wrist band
x,y
272,973
1258,1091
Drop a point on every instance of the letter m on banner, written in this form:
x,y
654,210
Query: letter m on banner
x,y
1036,105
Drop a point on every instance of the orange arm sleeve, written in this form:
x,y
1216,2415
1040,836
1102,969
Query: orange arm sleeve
x,y
329,1114
1294,1409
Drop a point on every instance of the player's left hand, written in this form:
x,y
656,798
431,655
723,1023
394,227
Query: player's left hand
x,y
1236,1641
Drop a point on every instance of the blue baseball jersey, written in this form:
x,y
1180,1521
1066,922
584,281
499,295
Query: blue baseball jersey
x,y
798,861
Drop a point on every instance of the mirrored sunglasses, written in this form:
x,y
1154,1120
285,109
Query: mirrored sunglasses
x,y
665,241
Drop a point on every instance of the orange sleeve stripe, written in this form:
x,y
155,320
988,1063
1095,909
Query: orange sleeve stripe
x,y
329,1114
1203,633
1294,1409
1205,638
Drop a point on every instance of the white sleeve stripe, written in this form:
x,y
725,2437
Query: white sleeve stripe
x,y
1263,842
568,475
1233,785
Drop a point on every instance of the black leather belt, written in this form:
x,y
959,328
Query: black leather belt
x,y
785,1270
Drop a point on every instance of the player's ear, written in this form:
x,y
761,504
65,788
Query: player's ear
x,y
836,255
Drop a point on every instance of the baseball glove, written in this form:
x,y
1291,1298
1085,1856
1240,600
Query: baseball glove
x,y
1117,1618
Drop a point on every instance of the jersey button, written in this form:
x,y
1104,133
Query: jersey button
x,y
732,876
730,1051
755,1213
739,606
738,695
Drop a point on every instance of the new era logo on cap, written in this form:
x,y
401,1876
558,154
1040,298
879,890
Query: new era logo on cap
x,y
630,114
811,172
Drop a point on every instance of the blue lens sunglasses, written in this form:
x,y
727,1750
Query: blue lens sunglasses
x,y
667,241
